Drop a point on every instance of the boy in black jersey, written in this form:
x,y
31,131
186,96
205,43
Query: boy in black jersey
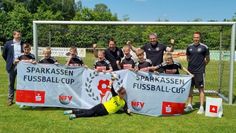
x,y
26,56
143,63
74,60
102,64
170,66
48,59
127,62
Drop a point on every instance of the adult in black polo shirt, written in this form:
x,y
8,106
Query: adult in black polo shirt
x,y
197,57
113,54
155,50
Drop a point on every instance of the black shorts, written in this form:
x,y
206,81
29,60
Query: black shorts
x,y
198,80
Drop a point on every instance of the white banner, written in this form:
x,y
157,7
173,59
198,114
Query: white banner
x,y
48,85
77,87
61,52
155,95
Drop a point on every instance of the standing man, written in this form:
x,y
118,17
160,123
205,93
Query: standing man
x,y
197,57
12,49
113,54
155,50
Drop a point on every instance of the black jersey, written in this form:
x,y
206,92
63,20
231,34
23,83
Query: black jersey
x,y
143,66
102,65
196,55
154,52
172,68
26,57
127,62
50,60
76,61
113,56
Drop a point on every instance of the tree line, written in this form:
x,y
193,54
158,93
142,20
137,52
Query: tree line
x,y
19,14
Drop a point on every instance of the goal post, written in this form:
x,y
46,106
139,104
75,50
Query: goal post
x,y
232,25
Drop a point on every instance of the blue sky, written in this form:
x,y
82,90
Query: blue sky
x,y
173,10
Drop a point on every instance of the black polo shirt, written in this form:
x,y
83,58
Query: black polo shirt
x,y
172,68
50,60
113,56
26,57
127,62
196,55
154,52
102,65
76,61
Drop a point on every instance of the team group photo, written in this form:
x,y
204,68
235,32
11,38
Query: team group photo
x,y
77,66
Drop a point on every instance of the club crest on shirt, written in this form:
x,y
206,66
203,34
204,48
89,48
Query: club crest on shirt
x,y
199,50
157,48
149,49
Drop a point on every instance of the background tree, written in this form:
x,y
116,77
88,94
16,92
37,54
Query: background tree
x,y
19,14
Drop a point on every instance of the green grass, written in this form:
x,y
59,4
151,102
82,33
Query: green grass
x,y
13,119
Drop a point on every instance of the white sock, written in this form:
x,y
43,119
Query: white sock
x,y
201,107
190,105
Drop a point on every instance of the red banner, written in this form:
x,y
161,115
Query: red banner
x,y
30,96
171,108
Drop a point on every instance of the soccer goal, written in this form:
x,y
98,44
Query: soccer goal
x,y
60,35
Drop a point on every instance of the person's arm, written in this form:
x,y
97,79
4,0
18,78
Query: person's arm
x,y
207,59
118,64
113,92
55,60
186,70
95,51
41,60
5,52
68,61
187,58
131,46
109,66
82,63
121,54
126,110
187,55
33,61
110,69
171,48
16,61
207,56
155,68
